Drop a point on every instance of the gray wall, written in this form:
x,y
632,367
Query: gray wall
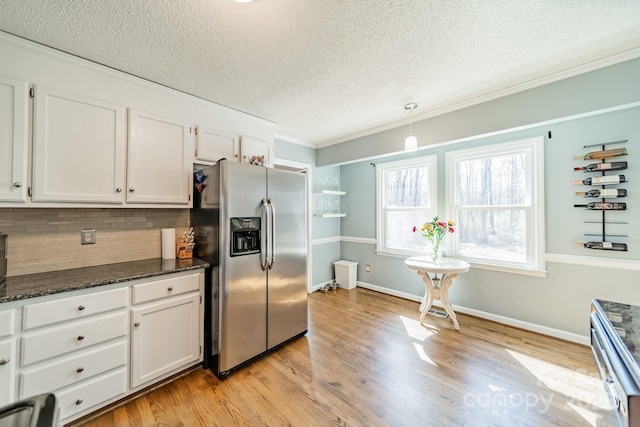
x,y
595,107
561,299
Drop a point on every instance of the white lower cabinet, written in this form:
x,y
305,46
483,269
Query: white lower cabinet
x,y
93,348
8,362
80,355
165,336
7,370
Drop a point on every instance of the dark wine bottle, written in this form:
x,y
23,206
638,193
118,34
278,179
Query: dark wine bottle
x,y
609,193
604,206
603,154
609,166
607,246
601,180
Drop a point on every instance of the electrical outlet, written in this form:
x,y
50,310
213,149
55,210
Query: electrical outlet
x,y
367,268
88,237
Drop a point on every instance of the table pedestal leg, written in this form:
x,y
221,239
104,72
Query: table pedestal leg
x,y
437,288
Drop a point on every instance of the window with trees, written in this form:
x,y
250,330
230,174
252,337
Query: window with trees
x,y
495,197
406,196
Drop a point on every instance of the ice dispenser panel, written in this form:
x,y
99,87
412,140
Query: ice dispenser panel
x,y
245,236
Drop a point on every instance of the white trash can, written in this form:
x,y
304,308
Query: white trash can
x,y
346,274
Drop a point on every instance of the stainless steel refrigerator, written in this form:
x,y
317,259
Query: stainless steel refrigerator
x,y
250,224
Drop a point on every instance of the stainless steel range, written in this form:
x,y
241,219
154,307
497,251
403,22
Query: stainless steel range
x,y
615,341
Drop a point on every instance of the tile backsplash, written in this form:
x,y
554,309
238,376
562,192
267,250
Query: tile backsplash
x,y
48,239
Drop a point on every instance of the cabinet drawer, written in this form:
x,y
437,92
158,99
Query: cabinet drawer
x,y
46,313
7,323
52,376
91,393
73,336
166,287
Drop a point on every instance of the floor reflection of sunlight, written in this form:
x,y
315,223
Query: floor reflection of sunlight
x,y
419,333
415,330
583,390
422,354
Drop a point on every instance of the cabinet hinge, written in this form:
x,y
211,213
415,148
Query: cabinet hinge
x,y
200,349
196,130
29,191
189,197
31,92
200,299
190,129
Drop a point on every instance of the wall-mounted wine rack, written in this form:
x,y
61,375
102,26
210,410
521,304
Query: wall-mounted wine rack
x,y
606,165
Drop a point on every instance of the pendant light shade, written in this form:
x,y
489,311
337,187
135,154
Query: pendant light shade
x,y
411,142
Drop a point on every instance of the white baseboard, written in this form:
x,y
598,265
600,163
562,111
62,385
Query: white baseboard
x,y
544,330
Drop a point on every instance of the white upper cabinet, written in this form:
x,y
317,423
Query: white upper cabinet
x,y
159,167
257,151
212,145
78,148
13,139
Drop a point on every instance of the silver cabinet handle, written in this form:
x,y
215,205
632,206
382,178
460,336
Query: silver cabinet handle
x,y
170,288
4,361
80,370
80,307
132,189
136,324
17,184
119,190
79,402
80,337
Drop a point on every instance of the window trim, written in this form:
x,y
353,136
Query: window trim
x,y
535,227
432,162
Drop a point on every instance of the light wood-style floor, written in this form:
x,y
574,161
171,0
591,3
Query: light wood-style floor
x,y
366,361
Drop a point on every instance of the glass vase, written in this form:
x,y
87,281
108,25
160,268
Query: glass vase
x,y
436,254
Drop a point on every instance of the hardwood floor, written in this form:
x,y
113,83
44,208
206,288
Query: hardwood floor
x,y
366,361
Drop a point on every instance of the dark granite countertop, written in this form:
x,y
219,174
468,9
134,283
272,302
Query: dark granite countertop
x,y
36,285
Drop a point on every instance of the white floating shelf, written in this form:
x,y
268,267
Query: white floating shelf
x,y
335,215
336,192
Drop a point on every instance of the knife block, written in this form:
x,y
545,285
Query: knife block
x,y
184,250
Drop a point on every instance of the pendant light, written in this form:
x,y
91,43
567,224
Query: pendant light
x,y
411,142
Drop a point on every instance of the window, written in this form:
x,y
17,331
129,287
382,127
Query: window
x,y
495,197
406,196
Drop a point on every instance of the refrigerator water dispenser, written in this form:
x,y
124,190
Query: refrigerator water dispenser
x,y
245,236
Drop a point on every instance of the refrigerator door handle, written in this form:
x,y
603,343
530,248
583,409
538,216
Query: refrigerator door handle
x,y
265,208
272,238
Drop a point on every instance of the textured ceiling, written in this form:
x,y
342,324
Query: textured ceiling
x,y
326,70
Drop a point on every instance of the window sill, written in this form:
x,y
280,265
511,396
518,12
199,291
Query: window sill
x,y
474,264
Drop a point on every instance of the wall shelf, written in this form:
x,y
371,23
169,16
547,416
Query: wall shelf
x,y
334,192
331,215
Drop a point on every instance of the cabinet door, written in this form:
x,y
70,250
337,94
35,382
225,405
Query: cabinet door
x,y
7,370
212,145
78,148
159,168
165,336
13,139
253,148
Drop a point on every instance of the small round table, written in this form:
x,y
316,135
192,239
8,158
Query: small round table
x,y
437,287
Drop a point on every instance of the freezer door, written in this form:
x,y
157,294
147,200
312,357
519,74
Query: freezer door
x,y
287,278
242,288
